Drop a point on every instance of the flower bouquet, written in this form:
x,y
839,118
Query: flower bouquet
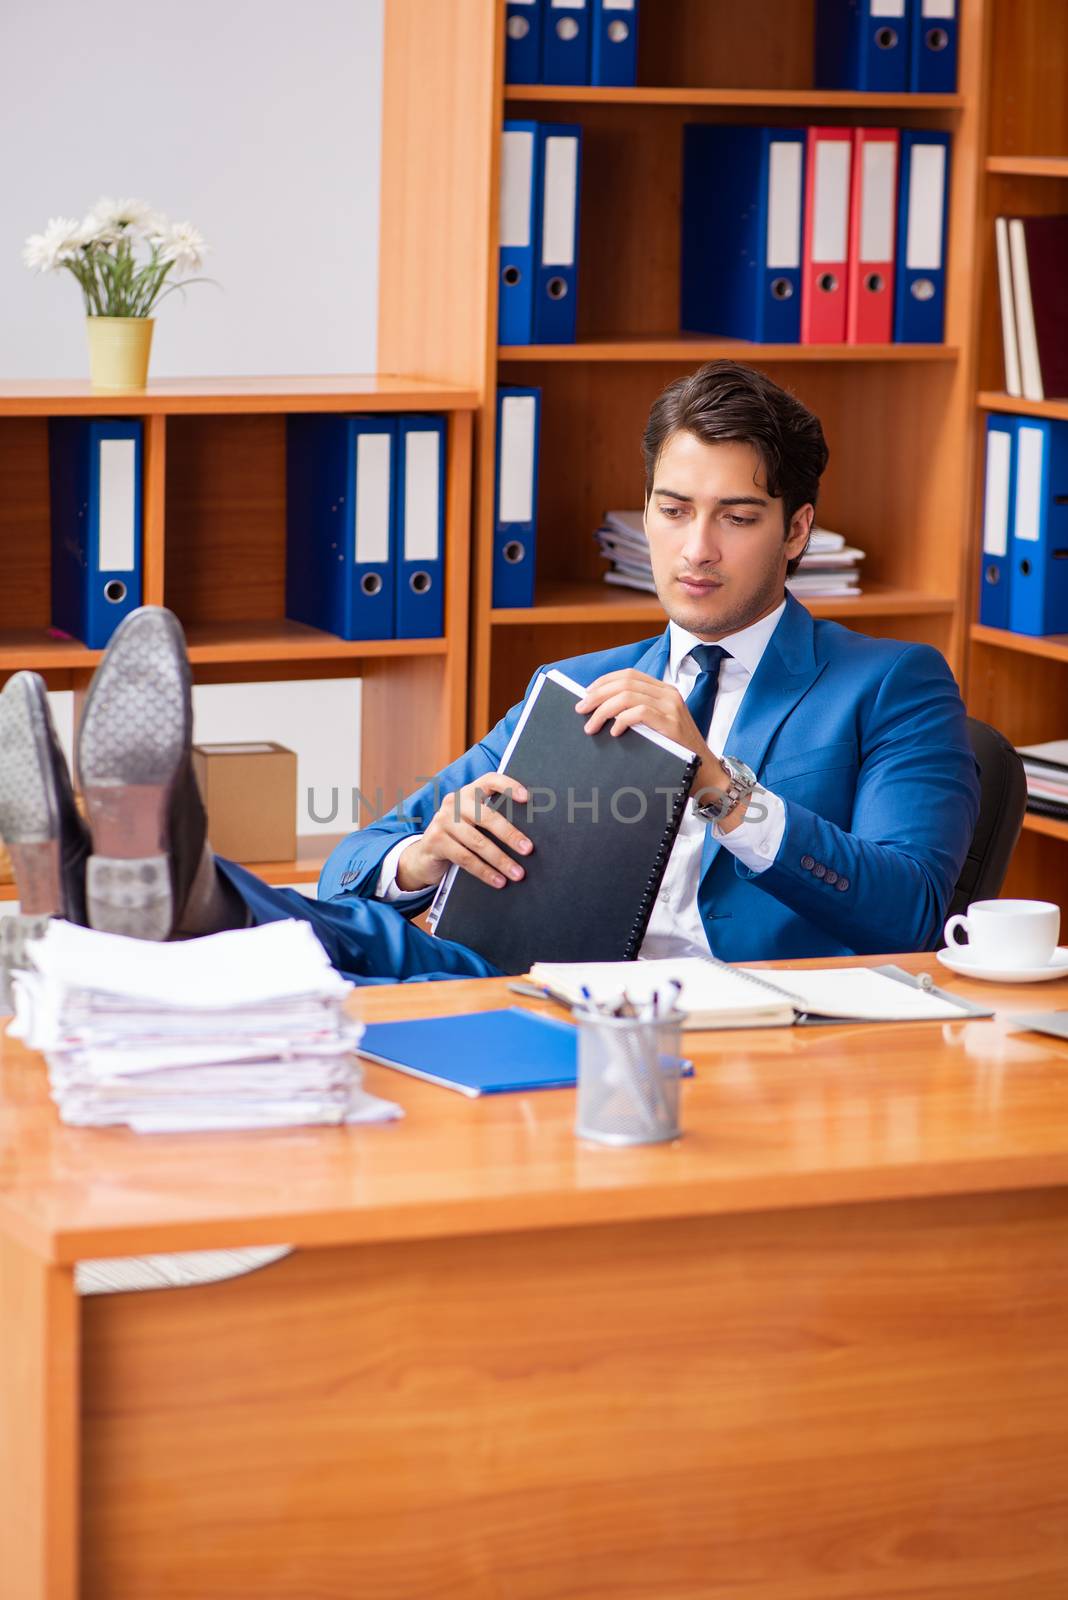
x,y
126,258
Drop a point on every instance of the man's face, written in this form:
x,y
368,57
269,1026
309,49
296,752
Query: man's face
x,y
716,536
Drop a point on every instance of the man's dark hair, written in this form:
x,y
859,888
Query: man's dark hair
x,y
724,400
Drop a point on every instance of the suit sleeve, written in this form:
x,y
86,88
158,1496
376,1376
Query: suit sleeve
x,y
885,883
353,866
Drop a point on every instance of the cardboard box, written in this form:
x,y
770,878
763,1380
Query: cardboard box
x,y
250,794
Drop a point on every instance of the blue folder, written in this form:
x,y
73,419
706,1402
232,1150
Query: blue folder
x,y
339,514
515,503
614,44
520,206
482,1052
862,44
995,570
559,169
419,528
933,65
920,278
742,208
522,41
95,472
565,41
1038,595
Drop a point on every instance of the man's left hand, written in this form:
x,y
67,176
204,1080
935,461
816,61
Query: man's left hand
x,y
628,697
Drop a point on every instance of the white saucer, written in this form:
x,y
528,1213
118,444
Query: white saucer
x,y
957,961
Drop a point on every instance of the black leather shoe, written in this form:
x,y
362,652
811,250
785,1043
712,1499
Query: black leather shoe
x,y
135,771
39,822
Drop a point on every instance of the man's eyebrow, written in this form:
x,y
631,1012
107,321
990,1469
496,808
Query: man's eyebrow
x,y
724,500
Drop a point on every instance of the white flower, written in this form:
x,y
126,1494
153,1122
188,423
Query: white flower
x,y
59,243
112,220
184,245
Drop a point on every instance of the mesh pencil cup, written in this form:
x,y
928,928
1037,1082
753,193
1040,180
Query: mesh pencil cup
x,y
628,1078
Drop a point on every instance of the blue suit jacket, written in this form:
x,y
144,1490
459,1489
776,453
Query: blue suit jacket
x,y
864,740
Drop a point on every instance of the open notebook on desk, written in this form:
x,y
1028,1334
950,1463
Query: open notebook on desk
x,y
715,995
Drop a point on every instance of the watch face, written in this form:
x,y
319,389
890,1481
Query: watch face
x,y
739,771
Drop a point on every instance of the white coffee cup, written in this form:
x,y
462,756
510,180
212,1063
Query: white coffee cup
x,y
1012,934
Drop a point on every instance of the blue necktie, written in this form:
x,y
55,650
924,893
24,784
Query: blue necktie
x,y
702,697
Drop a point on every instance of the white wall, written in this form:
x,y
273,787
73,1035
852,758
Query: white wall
x,y
257,120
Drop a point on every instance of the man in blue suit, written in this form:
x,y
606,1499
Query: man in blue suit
x,y
836,795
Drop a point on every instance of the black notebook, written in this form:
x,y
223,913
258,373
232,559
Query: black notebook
x,y
602,816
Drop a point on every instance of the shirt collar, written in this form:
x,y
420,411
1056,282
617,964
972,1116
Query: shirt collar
x,y
746,646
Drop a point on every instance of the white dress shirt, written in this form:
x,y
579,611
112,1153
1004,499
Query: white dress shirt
x,y
675,927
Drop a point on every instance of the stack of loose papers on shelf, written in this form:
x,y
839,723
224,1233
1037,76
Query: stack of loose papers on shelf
x,y
1046,769
237,1030
829,567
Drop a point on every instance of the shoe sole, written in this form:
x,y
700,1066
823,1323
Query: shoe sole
x,y
29,805
134,735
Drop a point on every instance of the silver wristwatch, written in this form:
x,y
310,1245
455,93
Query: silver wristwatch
x,y
743,781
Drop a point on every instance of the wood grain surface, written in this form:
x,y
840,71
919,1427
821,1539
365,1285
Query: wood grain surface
x,y
774,1118
848,1403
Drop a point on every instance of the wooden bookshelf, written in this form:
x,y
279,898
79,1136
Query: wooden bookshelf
x,y
1018,683
899,418
214,548
829,100
693,349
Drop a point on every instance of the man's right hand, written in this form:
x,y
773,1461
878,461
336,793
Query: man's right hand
x,y
455,835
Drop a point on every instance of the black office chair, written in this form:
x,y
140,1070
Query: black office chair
x,y
1002,803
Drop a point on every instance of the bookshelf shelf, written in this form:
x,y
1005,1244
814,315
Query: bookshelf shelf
x,y
569,602
1051,647
812,99
993,400
235,642
697,348
1028,166
174,397
1048,827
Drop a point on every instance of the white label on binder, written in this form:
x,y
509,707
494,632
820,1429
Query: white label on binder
x,y
831,212
515,498
1029,442
877,191
887,8
517,175
118,465
422,478
561,194
372,497
927,198
938,10
784,204
567,5
996,510
617,5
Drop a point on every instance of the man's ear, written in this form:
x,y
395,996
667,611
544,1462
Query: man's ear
x,y
800,529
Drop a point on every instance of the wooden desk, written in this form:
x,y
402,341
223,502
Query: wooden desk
x,y
815,1350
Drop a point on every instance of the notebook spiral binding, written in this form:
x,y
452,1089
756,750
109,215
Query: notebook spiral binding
x,y
656,877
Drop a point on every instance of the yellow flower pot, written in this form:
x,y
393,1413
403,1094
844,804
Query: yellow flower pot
x,y
118,351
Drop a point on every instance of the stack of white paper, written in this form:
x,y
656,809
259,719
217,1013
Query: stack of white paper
x,y
238,1030
828,567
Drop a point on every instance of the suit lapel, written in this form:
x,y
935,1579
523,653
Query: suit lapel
x,y
785,673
